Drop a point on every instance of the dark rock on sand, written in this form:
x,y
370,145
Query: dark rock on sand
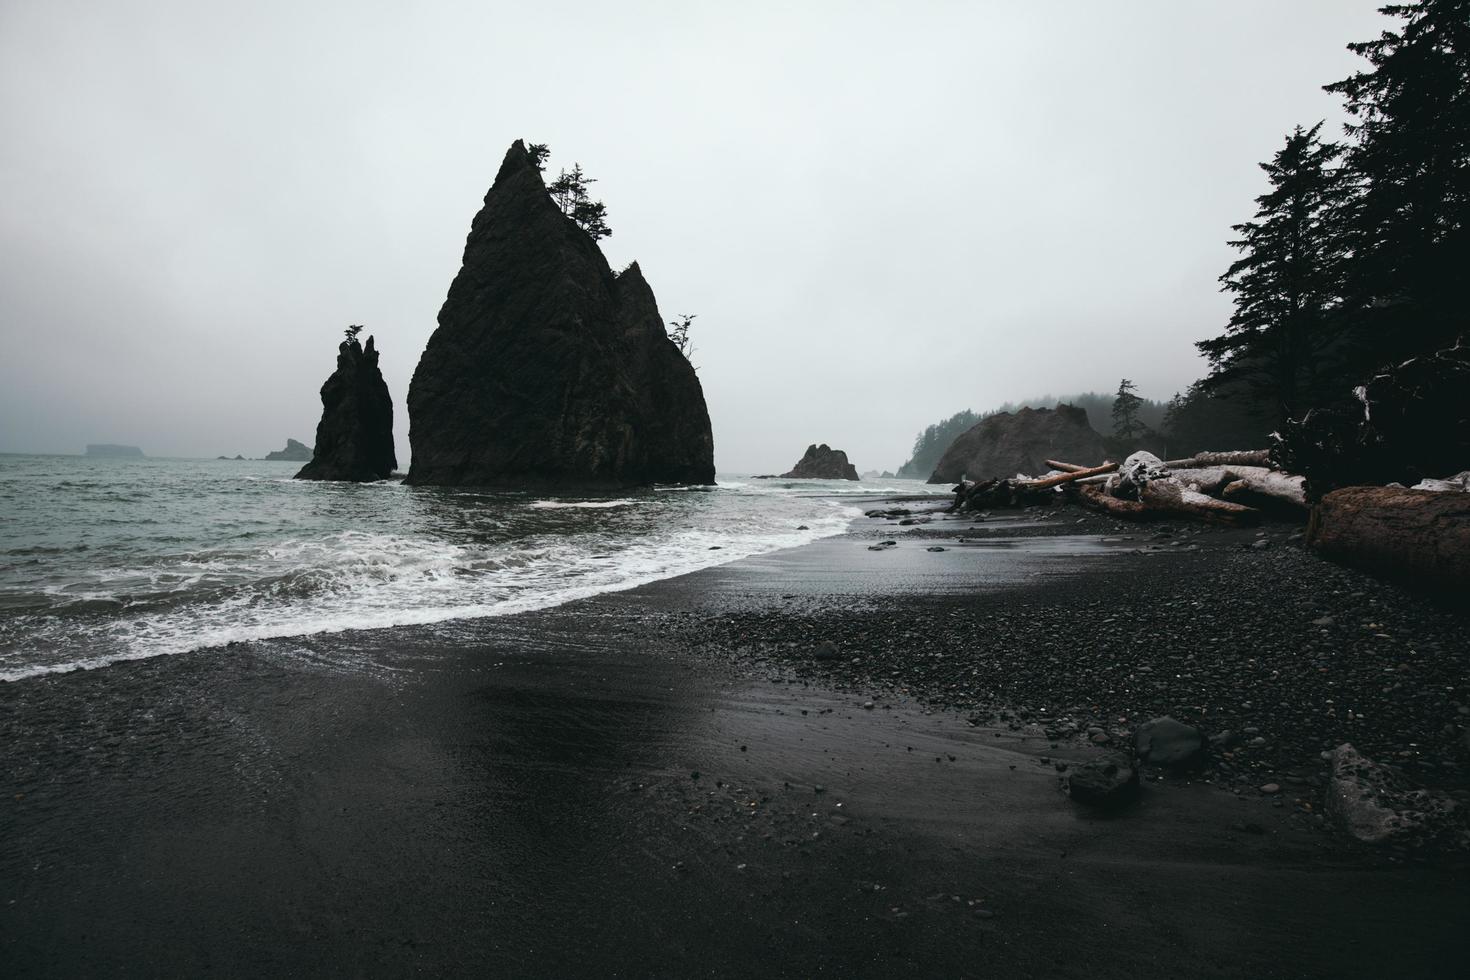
x,y
547,369
1107,782
294,452
354,440
1375,805
1170,744
1004,444
822,463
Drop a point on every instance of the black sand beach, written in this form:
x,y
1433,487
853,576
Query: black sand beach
x,y
667,782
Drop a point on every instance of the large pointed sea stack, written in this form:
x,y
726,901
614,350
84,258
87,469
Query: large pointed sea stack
x,y
547,370
354,440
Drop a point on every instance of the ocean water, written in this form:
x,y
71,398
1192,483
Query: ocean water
x,y
104,560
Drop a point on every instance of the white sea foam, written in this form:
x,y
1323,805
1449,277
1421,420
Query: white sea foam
x,y
580,504
412,559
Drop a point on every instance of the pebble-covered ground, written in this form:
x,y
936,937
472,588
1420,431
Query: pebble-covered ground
x,y
1273,652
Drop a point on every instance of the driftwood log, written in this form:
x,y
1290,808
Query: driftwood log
x,y
1234,457
1174,497
1261,486
1415,534
1095,497
1069,476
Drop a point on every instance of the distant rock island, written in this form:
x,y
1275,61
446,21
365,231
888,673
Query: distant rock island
x,y
548,370
1004,444
875,475
234,457
354,440
110,451
294,452
822,463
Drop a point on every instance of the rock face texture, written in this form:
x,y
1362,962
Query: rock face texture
x,y
822,463
354,440
1004,444
294,452
547,369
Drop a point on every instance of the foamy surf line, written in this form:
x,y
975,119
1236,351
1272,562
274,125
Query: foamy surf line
x,y
316,622
579,505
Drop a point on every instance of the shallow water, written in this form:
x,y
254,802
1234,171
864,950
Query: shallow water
x,y
104,560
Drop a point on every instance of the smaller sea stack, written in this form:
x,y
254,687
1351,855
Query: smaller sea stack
x,y
822,463
295,452
354,440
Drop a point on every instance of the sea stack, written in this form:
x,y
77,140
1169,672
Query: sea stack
x,y
822,463
354,440
295,452
547,369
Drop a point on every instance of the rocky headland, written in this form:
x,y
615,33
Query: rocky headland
x,y
1004,444
354,440
822,463
547,369
294,452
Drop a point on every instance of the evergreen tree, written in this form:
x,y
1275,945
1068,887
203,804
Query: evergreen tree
x,y
1409,231
679,334
569,191
929,445
1213,417
1126,425
1287,281
539,152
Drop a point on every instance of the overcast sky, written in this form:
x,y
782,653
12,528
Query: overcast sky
x,y
882,213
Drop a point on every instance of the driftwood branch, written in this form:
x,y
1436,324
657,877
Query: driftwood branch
x,y
1060,478
1234,457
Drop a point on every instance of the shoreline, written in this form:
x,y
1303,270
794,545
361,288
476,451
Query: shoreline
x,y
519,793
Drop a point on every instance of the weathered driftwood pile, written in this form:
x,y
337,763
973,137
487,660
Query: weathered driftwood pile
x,y
1219,487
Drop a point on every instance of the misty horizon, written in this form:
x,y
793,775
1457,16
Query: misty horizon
x,y
879,218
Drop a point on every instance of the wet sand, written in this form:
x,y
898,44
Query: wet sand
x,y
593,791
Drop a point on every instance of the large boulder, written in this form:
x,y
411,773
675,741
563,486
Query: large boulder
x,y
1170,744
1004,444
547,369
822,463
1106,783
354,439
294,452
